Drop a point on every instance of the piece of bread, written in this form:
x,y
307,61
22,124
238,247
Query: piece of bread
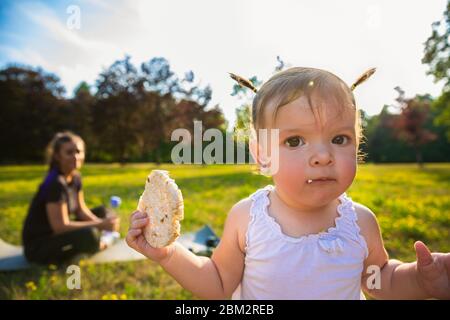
x,y
163,202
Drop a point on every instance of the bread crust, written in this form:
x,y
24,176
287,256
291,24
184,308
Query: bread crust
x,y
162,201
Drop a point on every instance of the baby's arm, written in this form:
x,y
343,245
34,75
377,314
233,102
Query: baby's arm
x,y
399,280
209,278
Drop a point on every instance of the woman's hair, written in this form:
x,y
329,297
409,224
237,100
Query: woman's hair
x,y
315,85
54,146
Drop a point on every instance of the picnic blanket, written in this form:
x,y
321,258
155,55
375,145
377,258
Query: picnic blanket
x,y
201,242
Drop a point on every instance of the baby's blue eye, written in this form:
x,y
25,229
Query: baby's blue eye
x,y
341,139
293,142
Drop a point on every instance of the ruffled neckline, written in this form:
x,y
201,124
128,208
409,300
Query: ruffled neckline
x,y
330,235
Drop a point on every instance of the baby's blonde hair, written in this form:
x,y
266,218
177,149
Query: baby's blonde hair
x,y
289,85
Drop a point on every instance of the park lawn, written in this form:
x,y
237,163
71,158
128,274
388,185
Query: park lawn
x,y
411,204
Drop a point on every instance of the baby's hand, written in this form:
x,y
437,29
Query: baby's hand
x,y
136,240
433,270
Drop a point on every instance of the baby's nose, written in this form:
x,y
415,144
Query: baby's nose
x,y
321,158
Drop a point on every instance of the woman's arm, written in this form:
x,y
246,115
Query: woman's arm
x,y
84,213
208,278
58,217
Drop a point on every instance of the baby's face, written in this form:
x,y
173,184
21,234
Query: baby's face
x,y
317,153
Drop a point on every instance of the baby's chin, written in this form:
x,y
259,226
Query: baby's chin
x,y
318,198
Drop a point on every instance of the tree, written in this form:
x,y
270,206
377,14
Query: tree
x,y
175,103
281,65
437,50
381,145
129,118
116,113
80,117
442,108
437,56
32,110
410,124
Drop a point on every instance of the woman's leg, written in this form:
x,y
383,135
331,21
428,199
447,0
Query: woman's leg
x,y
62,247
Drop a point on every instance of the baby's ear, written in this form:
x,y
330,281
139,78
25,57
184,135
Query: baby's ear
x,y
253,147
257,153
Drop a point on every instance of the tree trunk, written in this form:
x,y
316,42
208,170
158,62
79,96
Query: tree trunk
x,y
419,158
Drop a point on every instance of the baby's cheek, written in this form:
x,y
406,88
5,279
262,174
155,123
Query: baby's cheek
x,y
290,172
347,169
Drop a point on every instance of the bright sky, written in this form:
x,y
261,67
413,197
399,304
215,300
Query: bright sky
x,y
215,37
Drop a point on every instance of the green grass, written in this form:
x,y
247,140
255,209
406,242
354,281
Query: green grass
x,y
411,204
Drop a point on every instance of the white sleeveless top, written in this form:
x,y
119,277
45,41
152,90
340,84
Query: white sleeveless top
x,y
326,265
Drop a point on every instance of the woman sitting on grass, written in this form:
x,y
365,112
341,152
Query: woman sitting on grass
x,y
59,225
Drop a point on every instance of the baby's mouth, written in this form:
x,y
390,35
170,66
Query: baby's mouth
x,y
322,180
